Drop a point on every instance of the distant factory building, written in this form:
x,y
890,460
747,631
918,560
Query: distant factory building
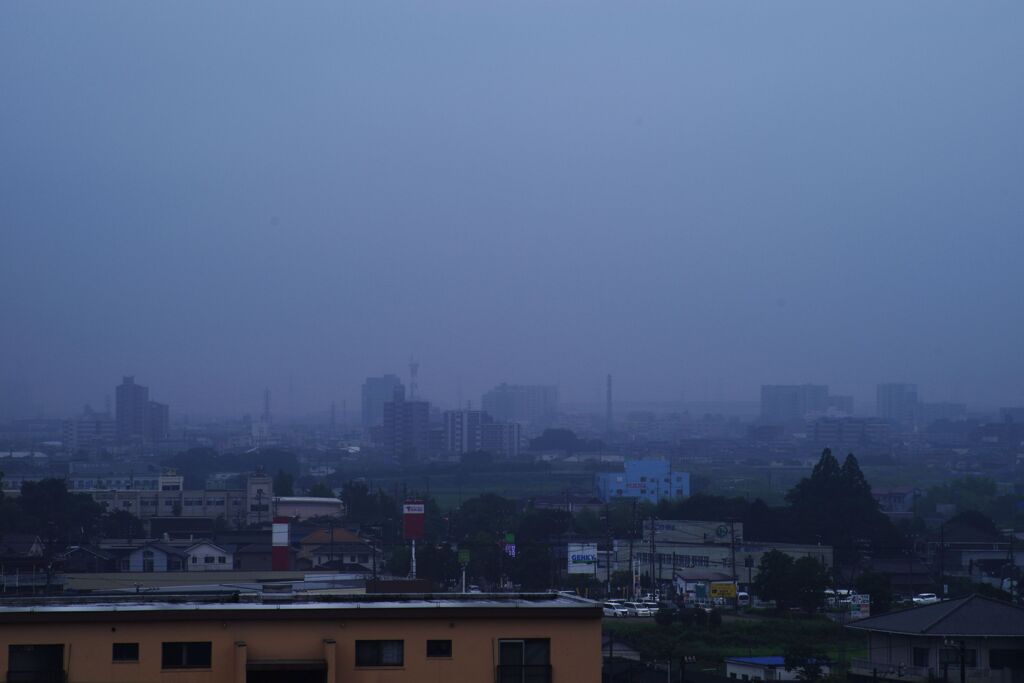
x,y
645,480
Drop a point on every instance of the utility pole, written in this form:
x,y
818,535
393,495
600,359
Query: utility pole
x,y
654,581
608,551
632,534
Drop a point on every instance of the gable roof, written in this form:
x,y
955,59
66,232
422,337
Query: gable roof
x,y
200,544
21,544
974,615
162,547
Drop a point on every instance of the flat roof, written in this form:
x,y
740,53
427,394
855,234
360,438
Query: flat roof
x,y
384,606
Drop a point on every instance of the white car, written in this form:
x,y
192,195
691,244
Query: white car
x,y
637,609
614,609
926,599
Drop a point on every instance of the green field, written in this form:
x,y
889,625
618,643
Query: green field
x,y
739,637
449,489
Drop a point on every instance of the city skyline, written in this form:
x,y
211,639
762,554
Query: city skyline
x,y
348,410
662,195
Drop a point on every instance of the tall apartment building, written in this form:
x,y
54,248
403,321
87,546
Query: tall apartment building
x,y
504,439
897,402
89,430
462,430
376,392
406,426
137,417
526,403
159,421
466,431
787,403
132,406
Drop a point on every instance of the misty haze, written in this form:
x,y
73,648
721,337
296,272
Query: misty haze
x,y
535,341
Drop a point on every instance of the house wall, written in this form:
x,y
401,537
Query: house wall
x,y
135,560
197,559
887,653
575,646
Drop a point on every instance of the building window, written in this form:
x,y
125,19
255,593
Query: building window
x,y
920,656
208,559
125,652
35,663
221,559
950,656
186,656
439,648
380,653
524,661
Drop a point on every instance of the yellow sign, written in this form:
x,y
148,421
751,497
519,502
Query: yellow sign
x,y
723,590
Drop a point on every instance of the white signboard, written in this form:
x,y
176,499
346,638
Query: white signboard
x,y
413,509
582,558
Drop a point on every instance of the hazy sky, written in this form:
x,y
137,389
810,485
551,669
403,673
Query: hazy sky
x,y
698,197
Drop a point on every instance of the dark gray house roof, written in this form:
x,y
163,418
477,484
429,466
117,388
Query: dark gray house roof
x,y
971,616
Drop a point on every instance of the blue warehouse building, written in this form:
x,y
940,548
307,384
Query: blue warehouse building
x,y
646,480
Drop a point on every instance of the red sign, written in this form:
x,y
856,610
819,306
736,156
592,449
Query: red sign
x,y
413,514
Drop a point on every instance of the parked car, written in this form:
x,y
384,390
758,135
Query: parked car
x,y
743,599
638,609
652,606
614,609
926,599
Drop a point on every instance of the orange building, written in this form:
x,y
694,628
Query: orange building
x,y
507,638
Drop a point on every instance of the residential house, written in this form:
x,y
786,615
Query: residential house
x,y
982,635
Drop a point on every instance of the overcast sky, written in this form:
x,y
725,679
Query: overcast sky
x,y
698,197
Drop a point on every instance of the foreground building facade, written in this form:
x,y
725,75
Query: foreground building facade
x,y
505,638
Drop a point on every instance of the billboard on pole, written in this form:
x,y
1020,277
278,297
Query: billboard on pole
x,y
413,514
582,558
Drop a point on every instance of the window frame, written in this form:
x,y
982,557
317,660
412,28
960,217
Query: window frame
x,y
122,659
446,650
363,648
185,646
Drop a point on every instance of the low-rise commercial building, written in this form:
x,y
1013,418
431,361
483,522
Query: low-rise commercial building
x,y
541,638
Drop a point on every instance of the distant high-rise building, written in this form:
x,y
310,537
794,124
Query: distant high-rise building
x,y
897,402
376,392
786,403
89,430
406,427
504,439
467,430
927,413
159,421
840,404
132,405
462,430
138,417
530,404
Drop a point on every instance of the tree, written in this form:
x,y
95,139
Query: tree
x,y
808,581
807,661
58,516
121,524
320,490
835,506
774,576
878,587
284,484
